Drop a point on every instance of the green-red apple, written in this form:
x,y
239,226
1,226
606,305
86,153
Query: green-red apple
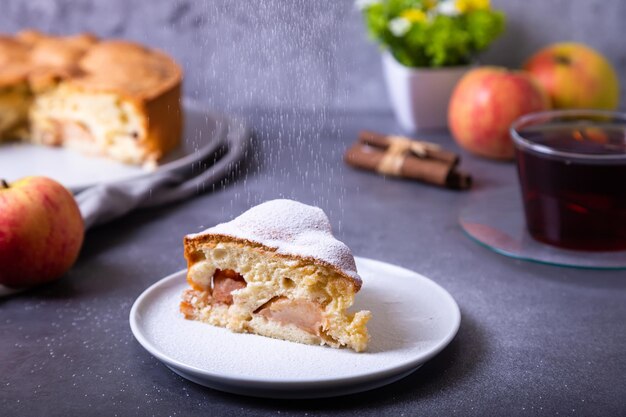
x,y
575,76
41,231
484,104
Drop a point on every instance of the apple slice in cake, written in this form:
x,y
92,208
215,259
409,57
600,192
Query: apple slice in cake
x,y
276,271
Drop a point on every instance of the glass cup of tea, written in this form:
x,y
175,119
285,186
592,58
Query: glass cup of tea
x,y
572,172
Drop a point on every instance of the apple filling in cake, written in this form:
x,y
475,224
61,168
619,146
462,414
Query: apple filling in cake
x,y
92,123
291,280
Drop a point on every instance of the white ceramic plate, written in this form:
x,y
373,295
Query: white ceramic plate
x,y
413,319
201,137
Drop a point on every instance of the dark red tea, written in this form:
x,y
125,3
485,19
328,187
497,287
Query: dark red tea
x,y
575,203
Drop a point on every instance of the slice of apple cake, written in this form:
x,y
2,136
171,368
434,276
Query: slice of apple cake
x,y
277,271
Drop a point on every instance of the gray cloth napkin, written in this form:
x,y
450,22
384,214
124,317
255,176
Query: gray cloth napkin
x,y
105,202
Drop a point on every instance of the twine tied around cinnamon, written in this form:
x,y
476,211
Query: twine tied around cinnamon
x,y
403,157
397,151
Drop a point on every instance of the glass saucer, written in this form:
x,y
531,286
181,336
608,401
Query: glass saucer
x,y
495,219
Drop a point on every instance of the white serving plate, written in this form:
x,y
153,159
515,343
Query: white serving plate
x,y
203,134
413,319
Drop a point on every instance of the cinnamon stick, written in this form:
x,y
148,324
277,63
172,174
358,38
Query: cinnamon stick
x,y
432,151
437,166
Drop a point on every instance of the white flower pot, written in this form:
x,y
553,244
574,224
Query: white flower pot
x,y
420,96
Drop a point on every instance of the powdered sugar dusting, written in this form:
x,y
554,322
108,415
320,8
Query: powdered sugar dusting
x,y
293,228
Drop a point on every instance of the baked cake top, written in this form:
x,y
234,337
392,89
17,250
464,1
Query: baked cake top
x,y
290,228
122,67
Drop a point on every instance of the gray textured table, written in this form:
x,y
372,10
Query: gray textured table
x,y
534,340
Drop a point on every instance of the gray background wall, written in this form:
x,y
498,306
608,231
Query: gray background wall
x,y
304,54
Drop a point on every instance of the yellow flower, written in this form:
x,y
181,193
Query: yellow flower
x,y
469,5
414,15
429,4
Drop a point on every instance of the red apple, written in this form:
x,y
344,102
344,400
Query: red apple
x,y
575,77
41,231
484,104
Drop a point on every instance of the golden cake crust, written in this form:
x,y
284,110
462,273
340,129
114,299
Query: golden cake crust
x,y
117,66
14,61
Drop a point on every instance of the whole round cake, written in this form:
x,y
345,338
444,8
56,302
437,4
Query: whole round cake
x,y
112,98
